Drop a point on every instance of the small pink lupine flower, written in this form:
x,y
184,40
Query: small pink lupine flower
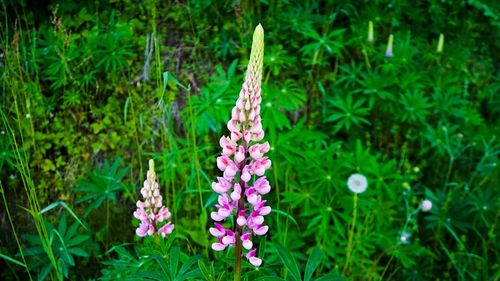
x,y
253,259
247,243
166,229
151,211
218,246
145,228
243,164
262,185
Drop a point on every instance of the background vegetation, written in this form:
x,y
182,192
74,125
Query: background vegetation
x,y
91,90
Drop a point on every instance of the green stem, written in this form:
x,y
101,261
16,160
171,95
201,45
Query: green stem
x,y
107,223
351,233
14,231
197,168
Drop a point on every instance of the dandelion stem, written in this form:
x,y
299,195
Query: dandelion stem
x,y
351,233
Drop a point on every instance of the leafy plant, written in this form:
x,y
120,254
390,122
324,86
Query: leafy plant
x,y
102,185
67,244
350,112
293,268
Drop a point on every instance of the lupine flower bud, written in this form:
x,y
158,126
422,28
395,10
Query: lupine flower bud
x,y
388,51
370,31
151,211
243,164
440,45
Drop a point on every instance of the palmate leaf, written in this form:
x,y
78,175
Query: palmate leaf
x,y
212,105
349,112
102,184
65,244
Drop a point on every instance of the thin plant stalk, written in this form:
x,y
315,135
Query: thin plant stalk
x,y
197,168
30,189
351,233
14,231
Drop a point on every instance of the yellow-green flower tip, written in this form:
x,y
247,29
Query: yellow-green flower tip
x,y
151,165
257,53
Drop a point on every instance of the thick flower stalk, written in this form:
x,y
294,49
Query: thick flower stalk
x,y
243,164
151,212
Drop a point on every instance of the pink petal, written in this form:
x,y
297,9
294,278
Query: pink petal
x,y
218,246
247,244
216,217
261,230
255,261
216,232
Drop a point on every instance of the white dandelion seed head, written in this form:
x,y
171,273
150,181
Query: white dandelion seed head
x,y
357,183
426,205
28,116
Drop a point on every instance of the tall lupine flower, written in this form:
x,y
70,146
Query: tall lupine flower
x,y
388,51
243,164
151,212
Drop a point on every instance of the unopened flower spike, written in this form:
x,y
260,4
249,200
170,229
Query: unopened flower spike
x,y
440,45
388,51
243,164
370,31
151,212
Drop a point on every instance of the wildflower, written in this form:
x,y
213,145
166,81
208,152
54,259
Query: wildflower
x,y
388,51
151,211
404,238
243,165
253,259
357,183
440,45
426,205
370,31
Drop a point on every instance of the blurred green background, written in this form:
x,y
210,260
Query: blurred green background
x,y
91,90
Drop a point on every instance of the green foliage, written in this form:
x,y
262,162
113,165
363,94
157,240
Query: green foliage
x,y
102,184
66,243
148,262
88,81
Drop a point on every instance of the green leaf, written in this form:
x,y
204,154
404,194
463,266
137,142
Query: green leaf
x,y
7,258
285,214
174,261
65,206
312,263
289,262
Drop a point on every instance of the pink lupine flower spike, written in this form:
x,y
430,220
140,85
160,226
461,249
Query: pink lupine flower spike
x,y
151,211
243,165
